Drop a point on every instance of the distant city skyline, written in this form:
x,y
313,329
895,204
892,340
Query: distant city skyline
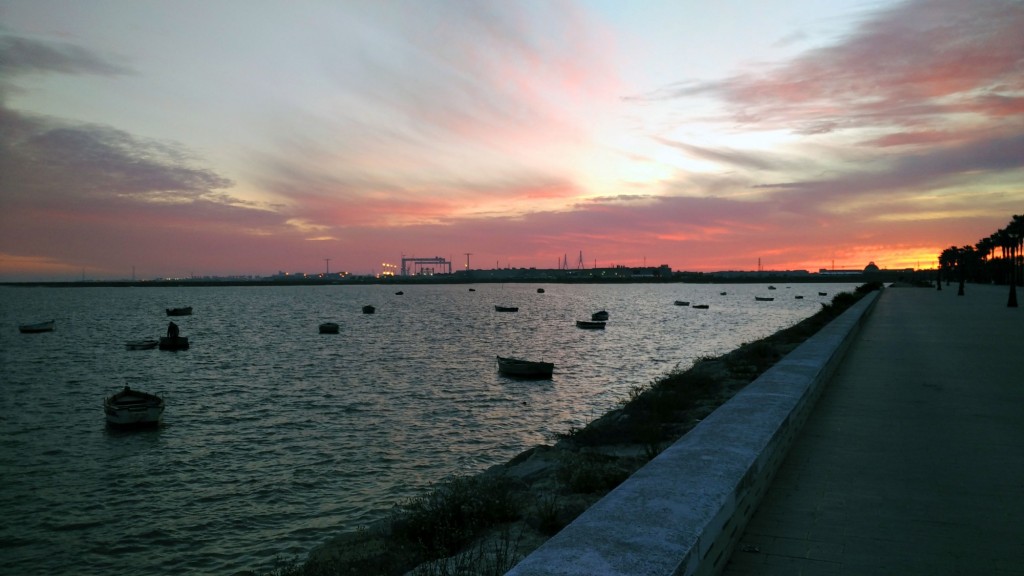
x,y
235,138
614,272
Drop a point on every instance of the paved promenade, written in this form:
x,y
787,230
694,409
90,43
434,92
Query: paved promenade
x,y
912,462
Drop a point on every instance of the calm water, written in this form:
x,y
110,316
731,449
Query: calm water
x,y
276,437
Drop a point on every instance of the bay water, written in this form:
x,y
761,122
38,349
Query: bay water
x,y
276,437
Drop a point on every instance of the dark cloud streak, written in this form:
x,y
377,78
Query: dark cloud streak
x,y
24,55
724,156
45,160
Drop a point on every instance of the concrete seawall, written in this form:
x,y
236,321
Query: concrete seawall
x,y
684,511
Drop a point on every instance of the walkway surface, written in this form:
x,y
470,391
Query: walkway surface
x,y
912,462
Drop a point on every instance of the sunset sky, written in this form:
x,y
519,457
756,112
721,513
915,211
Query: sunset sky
x,y
191,138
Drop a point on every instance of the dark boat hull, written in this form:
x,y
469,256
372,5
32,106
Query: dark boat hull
x,y
37,328
525,368
131,408
174,343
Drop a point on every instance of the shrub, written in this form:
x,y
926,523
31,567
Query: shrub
x,y
589,473
455,512
481,559
547,519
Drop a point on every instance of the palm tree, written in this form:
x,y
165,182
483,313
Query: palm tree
x,y
1017,229
1014,242
980,264
947,263
984,247
965,257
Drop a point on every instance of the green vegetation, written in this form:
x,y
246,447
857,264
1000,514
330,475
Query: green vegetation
x,y
484,524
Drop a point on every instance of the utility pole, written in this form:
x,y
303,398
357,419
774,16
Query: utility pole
x,y
468,254
328,261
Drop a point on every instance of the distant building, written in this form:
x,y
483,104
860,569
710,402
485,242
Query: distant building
x,y
663,272
748,274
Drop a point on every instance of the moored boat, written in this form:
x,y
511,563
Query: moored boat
x,y
601,316
506,308
701,306
763,298
185,311
147,344
133,408
540,290
174,342
525,368
36,328
822,293
798,297
369,309
329,328
681,303
590,324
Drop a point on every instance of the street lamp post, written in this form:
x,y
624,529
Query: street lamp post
x,y
1012,301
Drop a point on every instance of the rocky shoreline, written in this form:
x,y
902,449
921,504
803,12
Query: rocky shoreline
x,y
485,524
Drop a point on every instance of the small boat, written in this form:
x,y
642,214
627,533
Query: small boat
x,y
37,327
525,368
133,408
771,287
369,309
174,342
590,324
822,293
681,303
329,328
147,344
701,306
472,289
601,316
399,293
186,311
506,308
722,293
763,298
799,297
540,290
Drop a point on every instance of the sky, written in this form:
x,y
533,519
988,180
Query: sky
x,y
150,139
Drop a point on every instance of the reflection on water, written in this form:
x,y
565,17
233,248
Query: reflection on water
x,y
276,436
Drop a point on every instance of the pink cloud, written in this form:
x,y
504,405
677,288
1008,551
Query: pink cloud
x,y
904,65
